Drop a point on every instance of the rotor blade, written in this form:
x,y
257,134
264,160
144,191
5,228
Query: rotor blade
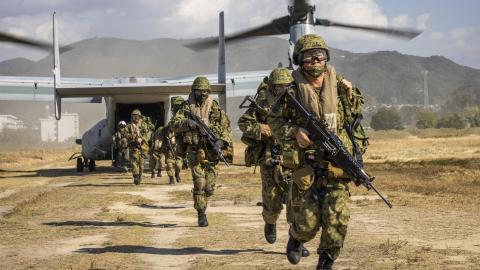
x,y
401,33
5,37
276,27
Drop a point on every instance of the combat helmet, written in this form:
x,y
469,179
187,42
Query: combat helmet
x,y
280,76
122,124
176,103
201,83
309,42
136,112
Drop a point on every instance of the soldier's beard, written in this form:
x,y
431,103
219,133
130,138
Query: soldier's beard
x,y
315,71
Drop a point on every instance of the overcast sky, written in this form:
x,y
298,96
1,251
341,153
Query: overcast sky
x,y
452,28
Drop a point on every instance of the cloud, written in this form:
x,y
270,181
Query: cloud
x,y
362,12
401,21
422,21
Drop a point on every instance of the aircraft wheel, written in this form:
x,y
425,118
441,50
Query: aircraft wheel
x,y
91,165
80,165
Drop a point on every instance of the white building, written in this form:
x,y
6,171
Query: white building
x,y
48,129
61,130
10,122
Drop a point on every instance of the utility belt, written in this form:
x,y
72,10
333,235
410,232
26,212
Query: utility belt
x,y
317,173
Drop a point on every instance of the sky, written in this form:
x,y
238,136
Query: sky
x,y
451,28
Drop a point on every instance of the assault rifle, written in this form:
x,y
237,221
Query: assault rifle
x,y
169,143
216,143
333,147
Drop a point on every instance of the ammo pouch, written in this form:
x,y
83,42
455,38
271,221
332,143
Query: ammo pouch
x,y
250,156
191,138
303,177
290,154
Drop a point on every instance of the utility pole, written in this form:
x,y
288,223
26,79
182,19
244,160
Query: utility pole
x,y
426,104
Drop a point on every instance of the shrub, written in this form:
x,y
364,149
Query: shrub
x,y
386,119
451,121
426,119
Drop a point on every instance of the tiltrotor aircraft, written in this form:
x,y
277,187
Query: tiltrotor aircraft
x,y
152,95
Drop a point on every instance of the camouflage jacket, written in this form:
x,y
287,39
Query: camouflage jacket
x,y
120,140
166,141
285,123
259,149
138,136
218,122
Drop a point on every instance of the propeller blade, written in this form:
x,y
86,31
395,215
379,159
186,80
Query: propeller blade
x,y
5,37
278,26
401,33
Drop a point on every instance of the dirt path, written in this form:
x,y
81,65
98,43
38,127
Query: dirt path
x,y
57,219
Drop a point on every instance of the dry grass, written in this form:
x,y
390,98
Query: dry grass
x,y
432,180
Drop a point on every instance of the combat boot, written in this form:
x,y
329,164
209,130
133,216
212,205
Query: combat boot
x,y
172,180
153,174
136,179
270,232
159,174
202,218
324,262
294,250
305,252
177,176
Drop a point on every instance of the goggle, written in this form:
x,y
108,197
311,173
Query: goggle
x,y
314,56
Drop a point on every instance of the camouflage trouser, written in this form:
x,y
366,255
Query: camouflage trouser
x,y
136,159
203,174
331,213
157,161
122,158
273,195
173,166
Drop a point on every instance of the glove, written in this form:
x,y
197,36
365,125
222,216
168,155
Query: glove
x,y
335,172
192,124
302,138
265,130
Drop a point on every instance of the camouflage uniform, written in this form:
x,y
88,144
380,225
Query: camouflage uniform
x,y
121,144
201,160
331,212
266,151
138,137
167,140
173,157
157,156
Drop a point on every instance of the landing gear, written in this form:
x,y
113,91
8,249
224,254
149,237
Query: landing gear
x,y
80,164
91,165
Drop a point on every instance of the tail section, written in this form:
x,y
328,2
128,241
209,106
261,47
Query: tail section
x,y
221,61
57,103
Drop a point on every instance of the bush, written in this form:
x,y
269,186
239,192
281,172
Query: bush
x,y
426,119
451,121
473,117
386,119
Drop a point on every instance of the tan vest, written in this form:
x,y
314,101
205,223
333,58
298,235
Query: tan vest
x,y
202,111
323,104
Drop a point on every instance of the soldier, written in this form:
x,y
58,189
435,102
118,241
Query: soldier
x,y
138,137
172,150
265,151
201,160
121,144
168,149
327,96
157,156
